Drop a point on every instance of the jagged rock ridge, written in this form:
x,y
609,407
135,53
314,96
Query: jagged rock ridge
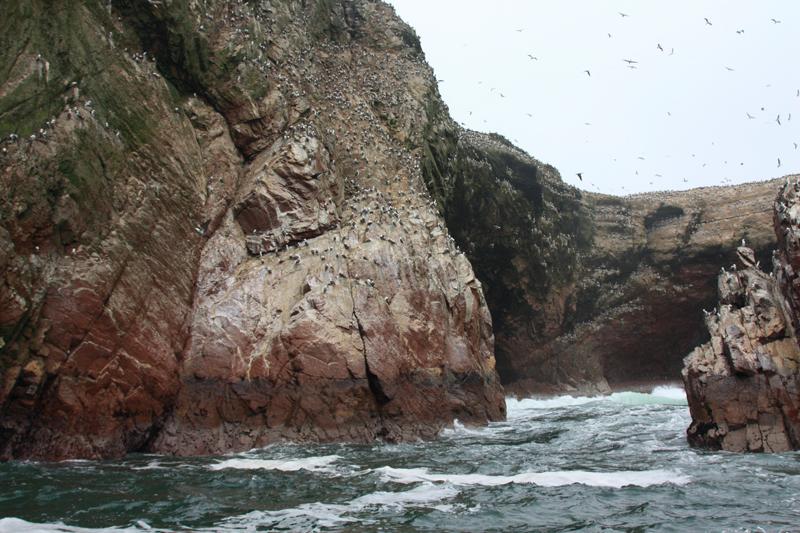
x,y
744,385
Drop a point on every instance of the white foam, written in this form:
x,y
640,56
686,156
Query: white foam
x,y
660,395
460,429
671,392
330,515
667,396
321,514
312,464
152,465
515,406
425,493
639,478
17,525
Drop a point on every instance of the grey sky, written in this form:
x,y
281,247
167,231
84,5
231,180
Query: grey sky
x,y
682,111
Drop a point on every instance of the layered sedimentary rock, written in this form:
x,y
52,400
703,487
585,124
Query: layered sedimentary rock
x,y
215,233
587,291
744,385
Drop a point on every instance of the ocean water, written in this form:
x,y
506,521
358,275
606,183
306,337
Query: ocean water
x,y
616,463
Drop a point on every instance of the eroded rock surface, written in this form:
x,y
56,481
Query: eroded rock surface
x,y
227,223
744,385
587,291
215,233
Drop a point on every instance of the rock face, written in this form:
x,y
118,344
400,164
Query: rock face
x,y
215,233
587,291
228,223
744,385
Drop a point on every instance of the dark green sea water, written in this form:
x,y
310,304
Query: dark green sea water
x,y
618,463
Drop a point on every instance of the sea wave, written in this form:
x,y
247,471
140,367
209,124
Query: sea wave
x,y
316,514
321,514
17,525
660,395
312,464
460,429
638,478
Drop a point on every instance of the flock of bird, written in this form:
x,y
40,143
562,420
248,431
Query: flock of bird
x,y
781,119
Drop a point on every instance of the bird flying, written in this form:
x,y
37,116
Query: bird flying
x,y
707,21
580,175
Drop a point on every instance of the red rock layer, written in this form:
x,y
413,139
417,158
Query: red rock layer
x,y
220,236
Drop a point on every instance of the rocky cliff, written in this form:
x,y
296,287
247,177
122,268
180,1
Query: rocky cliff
x,y
225,223
587,291
743,386
215,233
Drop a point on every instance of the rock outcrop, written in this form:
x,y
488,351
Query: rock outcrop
x,y
744,385
587,291
228,223
215,233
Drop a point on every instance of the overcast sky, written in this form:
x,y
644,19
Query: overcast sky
x,y
679,119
